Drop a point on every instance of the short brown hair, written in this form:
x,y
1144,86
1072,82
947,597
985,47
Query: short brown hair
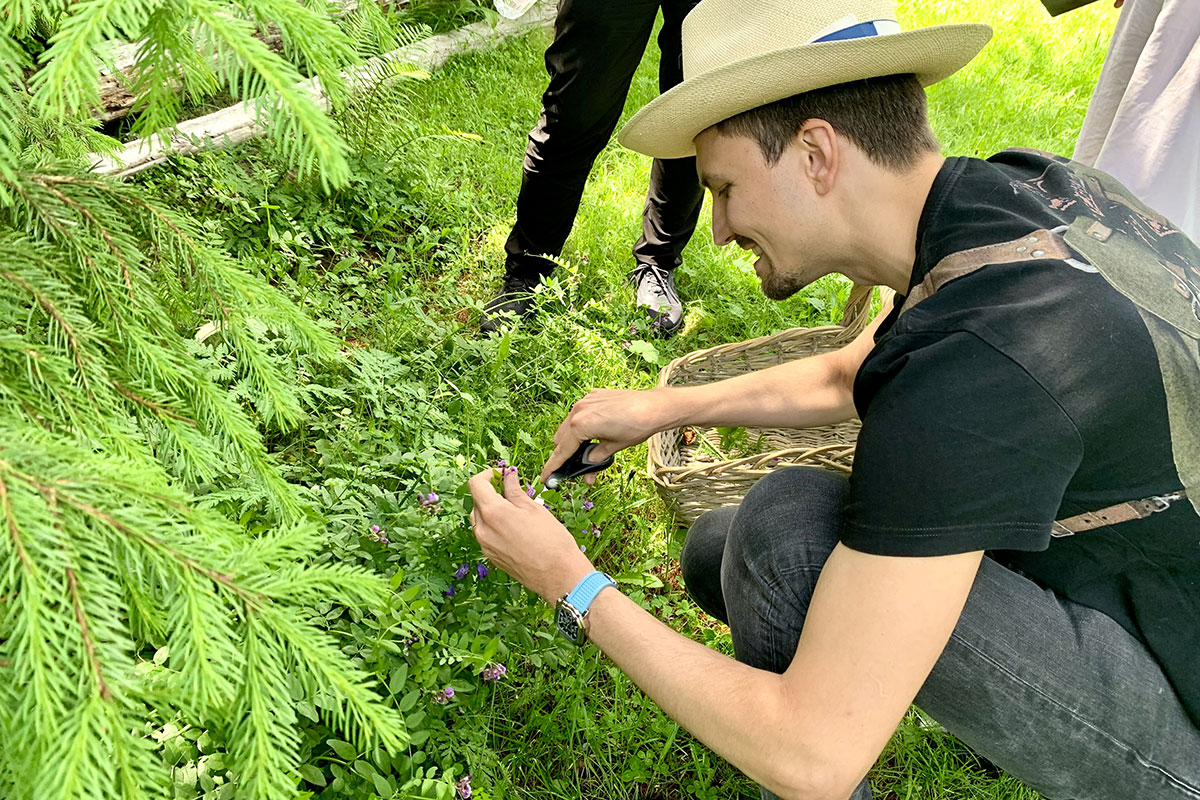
x,y
884,117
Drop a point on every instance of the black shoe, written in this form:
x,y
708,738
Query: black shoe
x,y
514,301
656,293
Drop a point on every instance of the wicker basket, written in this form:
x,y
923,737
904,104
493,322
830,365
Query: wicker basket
x,y
689,470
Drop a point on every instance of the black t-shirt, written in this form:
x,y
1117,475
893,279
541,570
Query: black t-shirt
x,y
1017,395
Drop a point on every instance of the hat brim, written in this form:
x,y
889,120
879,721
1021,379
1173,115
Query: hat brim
x,y
667,125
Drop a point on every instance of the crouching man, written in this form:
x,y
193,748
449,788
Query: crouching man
x,y
1017,550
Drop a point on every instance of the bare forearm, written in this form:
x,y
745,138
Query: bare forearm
x,y
800,394
738,711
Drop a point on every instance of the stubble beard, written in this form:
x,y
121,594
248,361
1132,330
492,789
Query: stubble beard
x,y
780,287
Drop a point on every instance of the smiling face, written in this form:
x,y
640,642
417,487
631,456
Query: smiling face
x,y
776,211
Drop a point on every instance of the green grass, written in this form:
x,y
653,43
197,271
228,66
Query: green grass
x,y
1030,88
586,731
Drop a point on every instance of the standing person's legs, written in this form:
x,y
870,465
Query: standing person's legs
x,y
597,46
673,200
675,196
1056,693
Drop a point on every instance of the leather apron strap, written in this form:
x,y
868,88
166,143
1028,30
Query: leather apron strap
x,y
1041,244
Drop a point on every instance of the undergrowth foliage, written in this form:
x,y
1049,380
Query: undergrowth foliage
x,y
159,574
108,409
104,554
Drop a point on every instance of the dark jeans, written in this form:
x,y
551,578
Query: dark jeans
x,y
1056,694
597,46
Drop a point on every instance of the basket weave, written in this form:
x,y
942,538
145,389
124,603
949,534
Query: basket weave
x,y
691,478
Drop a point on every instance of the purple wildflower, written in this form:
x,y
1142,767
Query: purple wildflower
x,y
427,500
374,529
583,548
463,787
499,463
530,491
588,505
384,540
493,673
547,505
481,570
448,692
462,571
449,592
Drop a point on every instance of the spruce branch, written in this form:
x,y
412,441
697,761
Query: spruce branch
x,y
51,309
81,617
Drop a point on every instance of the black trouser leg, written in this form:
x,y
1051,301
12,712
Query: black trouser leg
x,y
675,196
597,47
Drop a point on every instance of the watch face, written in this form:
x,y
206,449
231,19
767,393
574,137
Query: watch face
x,y
568,621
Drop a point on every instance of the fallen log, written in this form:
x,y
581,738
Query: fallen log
x,y
236,124
116,75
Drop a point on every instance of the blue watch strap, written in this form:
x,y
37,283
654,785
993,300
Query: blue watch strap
x,y
585,591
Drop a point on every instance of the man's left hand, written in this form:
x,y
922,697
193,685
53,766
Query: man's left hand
x,y
520,536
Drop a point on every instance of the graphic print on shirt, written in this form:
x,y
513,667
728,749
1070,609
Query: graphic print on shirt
x,y
1066,190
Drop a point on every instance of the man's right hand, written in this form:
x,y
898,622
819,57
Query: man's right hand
x,y
615,418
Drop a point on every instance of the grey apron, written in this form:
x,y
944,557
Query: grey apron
x,y
1145,258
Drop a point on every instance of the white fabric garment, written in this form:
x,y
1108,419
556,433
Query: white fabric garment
x,y
1143,124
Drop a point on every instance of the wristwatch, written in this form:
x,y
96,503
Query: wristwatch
x,y
570,613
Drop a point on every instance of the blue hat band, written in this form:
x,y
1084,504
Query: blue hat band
x,y
879,27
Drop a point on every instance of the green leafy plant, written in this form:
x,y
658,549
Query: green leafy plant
x,y
159,570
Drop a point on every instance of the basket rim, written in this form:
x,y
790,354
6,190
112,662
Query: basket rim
x,y
659,472
757,343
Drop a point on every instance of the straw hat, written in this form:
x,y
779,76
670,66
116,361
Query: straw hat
x,y
741,54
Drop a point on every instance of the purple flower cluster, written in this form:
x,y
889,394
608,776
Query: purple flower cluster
x,y
379,534
588,505
463,787
429,502
493,672
594,531
463,571
444,696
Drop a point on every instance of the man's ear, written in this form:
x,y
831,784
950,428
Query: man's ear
x,y
819,144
